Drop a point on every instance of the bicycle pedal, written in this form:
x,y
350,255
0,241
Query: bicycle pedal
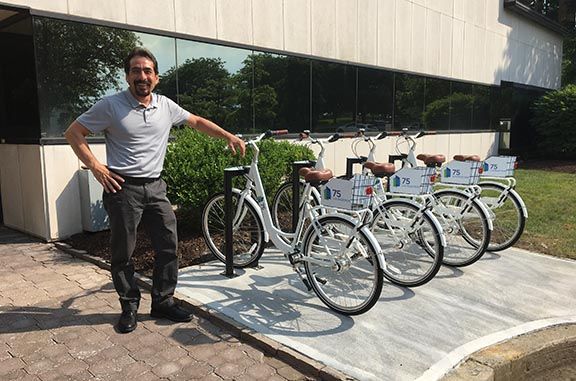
x,y
294,258
306,283
320,280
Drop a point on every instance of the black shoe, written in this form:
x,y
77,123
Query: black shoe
x,y
128,321
172,312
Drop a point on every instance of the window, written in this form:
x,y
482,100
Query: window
x,y
375,98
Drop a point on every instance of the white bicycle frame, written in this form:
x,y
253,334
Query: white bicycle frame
x,y
469,191
254,186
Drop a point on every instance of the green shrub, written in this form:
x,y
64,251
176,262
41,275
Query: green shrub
x,y
195,163
554,120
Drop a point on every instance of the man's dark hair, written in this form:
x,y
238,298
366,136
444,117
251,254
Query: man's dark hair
x,y
140,52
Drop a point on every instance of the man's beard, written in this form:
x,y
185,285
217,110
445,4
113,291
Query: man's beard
x,y
142,91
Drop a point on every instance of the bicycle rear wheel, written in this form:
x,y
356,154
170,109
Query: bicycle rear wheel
x,y
247,230
348,280
465,226
509,221
410,241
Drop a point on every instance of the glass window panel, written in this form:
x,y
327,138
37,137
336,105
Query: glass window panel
x,y
481,108
461,104
375,98
436,115
333,97
76,65
409,101
281,92
216,82
19,119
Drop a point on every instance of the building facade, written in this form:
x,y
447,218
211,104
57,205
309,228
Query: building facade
x,y
463,68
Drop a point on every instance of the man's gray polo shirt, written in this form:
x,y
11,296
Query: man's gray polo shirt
x,y
136,135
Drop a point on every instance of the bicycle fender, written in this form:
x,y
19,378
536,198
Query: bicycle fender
x,y
427,212
253,202
512,191
480,204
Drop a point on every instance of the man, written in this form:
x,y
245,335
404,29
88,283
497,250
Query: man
x,y
136,124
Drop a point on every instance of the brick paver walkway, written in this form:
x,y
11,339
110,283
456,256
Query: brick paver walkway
x,y
57,317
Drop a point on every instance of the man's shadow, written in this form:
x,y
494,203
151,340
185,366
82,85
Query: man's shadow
x,y
19,319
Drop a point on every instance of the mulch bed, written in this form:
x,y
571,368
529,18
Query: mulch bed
x,y
192,249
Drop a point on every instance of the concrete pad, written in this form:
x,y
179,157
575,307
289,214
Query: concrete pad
x,y
409,330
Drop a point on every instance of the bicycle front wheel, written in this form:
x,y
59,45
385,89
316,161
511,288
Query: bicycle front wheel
x,y
247,230
465,226
281,208
410,241
509,218
347,279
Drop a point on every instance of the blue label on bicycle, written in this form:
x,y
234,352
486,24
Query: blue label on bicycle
x,y
327,193
447,172
396,181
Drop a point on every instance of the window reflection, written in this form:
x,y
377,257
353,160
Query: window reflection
x,y
215,82
281,92
408,101
461,104
333,97
375,98
481,108
436,115
76,65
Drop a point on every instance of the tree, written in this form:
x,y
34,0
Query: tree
x,y
554,116
77,64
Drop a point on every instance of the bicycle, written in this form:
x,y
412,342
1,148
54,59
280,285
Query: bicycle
x,y
408,231
336,256
499,194
466,220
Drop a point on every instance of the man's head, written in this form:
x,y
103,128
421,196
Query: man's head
x,y
141,70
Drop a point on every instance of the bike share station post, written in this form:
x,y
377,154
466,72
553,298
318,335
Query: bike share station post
x,y
296,166
350,161
229,174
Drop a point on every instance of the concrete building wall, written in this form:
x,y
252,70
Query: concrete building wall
x,y
471,40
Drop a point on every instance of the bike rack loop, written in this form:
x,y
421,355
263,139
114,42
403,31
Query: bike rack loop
x,y
229,174
350,161
296,189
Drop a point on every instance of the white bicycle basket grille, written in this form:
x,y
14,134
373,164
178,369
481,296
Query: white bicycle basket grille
x,y
416,180
461,172
499,166
355,193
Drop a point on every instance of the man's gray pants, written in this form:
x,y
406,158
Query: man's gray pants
x,y
142,200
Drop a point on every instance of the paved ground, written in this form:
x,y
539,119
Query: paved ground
x,y
409,334
57,315
56,322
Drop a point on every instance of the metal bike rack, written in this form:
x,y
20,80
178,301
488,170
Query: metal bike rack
x,y
296,189
229,174
350,161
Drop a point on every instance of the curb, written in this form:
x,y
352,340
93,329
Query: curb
x,y
298,360
522,357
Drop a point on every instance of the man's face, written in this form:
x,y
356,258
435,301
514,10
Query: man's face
x,y
141,77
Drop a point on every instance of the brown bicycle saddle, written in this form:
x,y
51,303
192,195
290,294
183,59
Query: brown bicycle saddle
x,y
435,160
467,158
313,175
380,169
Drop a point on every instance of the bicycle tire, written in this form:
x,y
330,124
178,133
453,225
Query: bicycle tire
x,y
354,285
413,248
509,221
281,208
247,235
467,230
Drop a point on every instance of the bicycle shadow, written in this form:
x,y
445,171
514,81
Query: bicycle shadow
x,y
276,303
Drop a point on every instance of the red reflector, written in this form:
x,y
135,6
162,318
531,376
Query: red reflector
x,y
369,191
432,178
515,165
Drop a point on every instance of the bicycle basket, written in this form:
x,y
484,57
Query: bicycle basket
x,y
461,172
499,166
416,180
353,194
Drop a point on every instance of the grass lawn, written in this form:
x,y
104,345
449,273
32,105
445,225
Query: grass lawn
x,y
551,201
